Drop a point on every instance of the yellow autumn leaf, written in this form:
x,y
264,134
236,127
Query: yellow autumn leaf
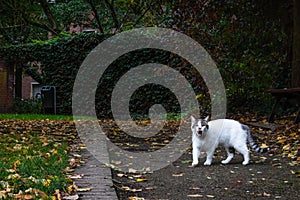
x,y
293,135
47,182
263,146
136,198
286,147
54,151
53,197
16,163
281,141
83,189
141,179
125,188
199,96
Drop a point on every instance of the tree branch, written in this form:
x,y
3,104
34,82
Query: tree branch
x,y
49,15
110,6
92,4
33,73
39,25
143,14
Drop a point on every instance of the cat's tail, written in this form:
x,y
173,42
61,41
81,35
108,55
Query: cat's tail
x,y
252,144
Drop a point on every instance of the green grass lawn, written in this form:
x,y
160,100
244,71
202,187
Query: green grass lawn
x,y
32,160
42,117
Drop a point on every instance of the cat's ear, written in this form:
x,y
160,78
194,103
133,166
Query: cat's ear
x,y
206,118
193,120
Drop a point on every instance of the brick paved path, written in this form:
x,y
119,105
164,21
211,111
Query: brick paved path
x,y
97,177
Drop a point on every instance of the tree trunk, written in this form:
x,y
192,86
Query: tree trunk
x,y
296,44
18,81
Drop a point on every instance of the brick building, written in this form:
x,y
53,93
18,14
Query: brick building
x,y
30,88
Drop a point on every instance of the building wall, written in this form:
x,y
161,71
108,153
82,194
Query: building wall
x,y
6,87
26,87
30,88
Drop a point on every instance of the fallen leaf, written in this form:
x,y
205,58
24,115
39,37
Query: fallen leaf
x,y
24,196
141,179
130,170
72,197
76,176
210,196
178,175
136,190
83,189
263,146
77,155
150,188
2,194
131,189
120,175
58,195
266,194
195,195
125,188
136,198
16,163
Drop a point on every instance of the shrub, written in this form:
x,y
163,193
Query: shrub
x,y
22,106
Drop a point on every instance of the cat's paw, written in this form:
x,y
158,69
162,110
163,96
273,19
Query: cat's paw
x,y
194,164
224,162
245,162
207,163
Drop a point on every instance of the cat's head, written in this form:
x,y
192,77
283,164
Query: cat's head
x,y
199,126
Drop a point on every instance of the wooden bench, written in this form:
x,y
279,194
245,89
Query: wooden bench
x,y
289,93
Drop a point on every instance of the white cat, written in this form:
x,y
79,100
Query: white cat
x,y
207,135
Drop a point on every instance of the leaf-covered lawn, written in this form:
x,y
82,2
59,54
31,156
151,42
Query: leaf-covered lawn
x,y
35,159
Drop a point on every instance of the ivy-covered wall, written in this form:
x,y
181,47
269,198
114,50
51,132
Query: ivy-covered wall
x,y
61,59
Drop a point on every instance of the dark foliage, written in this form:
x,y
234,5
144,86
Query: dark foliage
x,y
249,40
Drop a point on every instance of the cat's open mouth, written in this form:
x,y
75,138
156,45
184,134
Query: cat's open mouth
x,y
200,133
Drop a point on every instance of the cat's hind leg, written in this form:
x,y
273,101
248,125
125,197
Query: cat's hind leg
x,y
229,156
245,152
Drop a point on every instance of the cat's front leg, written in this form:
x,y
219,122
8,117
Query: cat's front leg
x,y
196,154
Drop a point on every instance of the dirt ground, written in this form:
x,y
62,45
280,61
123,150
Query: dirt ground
x,y
268,176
